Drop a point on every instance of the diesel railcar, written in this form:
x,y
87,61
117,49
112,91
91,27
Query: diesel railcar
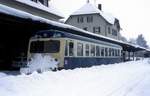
x,y
72,51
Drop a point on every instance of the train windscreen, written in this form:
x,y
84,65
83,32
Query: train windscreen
x,y
51,46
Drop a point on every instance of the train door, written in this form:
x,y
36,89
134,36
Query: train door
x,y
70,53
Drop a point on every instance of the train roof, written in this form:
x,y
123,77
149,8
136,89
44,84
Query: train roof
x,y
64,34
67,28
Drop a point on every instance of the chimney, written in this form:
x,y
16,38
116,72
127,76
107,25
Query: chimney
x,y
88,1
99,6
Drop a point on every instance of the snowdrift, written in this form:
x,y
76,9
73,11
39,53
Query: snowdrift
x,y
40,63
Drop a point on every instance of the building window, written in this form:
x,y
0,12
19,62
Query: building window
x,y
89,19
85,28
44,2
71,47
97,30
114,32
87,49
109,30
34,0
92,50
79,49
80,19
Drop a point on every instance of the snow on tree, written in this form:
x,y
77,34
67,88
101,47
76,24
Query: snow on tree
x,y
141,41
132,41
122,38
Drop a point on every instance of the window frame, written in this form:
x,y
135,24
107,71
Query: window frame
x,y
80,19
71,52
85,28
87,50
89,19
98,51
80,49
114,32
106,52
97,30
34,1
109,30
92,50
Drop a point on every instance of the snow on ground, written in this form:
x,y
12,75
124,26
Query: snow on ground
x,y
2,75
123,79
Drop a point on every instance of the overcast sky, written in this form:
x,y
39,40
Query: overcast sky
x,y
134,15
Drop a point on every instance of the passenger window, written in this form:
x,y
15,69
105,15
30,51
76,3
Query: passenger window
x,y
71,49
113,53
116,52
92,50
102,51
66,49
110,51
106,51
87,49
98,51
79,49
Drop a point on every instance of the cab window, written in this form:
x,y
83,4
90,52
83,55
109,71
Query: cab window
x,y
51,46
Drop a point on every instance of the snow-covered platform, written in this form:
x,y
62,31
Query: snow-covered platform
x,y
122,79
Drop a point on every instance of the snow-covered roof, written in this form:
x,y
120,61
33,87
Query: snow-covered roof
x,y
50,9
18,13
89,8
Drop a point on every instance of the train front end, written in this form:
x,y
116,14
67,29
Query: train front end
x,y
51,47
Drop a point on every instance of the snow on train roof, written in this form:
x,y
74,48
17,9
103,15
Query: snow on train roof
x,y
51,9
18,13
89,8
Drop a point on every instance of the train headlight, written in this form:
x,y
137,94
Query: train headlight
x,y
56,59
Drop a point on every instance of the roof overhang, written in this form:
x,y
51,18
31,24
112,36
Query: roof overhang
x,y
28,4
